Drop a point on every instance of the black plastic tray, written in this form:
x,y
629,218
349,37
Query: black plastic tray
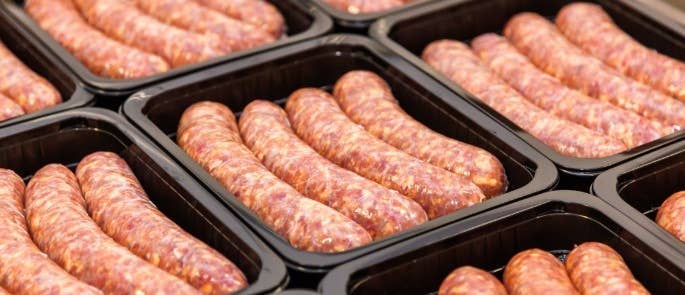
x,y
362,21
37,57
319,63
298,292
639,187
554,221
303,21
69,136
410,32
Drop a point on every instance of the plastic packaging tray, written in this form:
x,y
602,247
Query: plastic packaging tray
x,y
362,21
303,21
408,33
67,137
319,63
37,57
554,221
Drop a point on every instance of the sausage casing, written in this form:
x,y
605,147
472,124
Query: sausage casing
x,y
596,269
24,269
208,133
381,211
259,13
9,108
551,95
671,215
364,6
548,49
320,122
368,101
100,54
468,280
61,227
119,205
590,27
456,61
536,271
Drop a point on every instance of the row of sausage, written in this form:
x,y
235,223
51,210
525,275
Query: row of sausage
x,y
137,38
590,268
583,87
334,172
96,231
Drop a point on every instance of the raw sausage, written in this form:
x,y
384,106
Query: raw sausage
x,y
536,271
551,95
548,49
118,204
32,92
259,13
671,215
364,6
468,280
61,227
456,61
318,120
596,269
209,134
368,101
9,108
382,212
590,27
24,269
234,35
130,26
100,54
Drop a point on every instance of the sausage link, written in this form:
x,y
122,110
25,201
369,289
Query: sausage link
x,y
596,269
590,27
100,54
119,205
457,62
548,49
319,121
9,109
259,13
671,215
536,271
368,101
24,269
468,280
234,35
551,95
209,134
32,92
3,292
61,227
364,6
382,212
129,25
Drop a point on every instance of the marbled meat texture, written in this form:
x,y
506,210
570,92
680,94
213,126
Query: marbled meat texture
x,y
537,271
9,109
671,215
468,280
259,13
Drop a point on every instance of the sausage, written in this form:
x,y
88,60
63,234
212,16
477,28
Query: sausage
x,y
100,54
61,227
259,13
671,215
3,292
318,120
129,25
209,134
9,109
368,101
364,6
118,204
382,212
548,49
536,271
596,269
455,60
234,35
591,28
551,95
24,269
32,92
468,280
